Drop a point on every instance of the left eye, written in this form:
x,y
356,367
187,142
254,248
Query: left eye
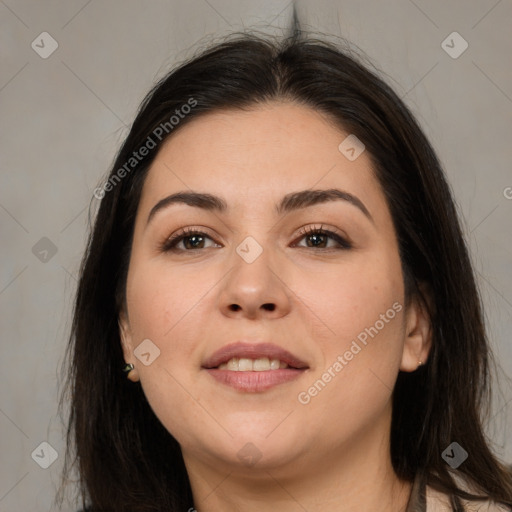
x,y
193,240
320,237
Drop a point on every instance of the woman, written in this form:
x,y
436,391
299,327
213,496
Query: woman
x,y
278,268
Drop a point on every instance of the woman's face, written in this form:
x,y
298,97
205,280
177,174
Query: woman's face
x,y
260,283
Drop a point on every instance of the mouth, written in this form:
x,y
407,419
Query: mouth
x,y
254,367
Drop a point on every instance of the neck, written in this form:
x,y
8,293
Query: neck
x,y
351,477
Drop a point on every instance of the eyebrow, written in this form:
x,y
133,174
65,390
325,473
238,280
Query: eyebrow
x,y
290,202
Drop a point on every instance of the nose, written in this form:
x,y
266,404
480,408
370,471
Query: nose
x,y
255,289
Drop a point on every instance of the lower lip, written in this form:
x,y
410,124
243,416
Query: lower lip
x,y
255,381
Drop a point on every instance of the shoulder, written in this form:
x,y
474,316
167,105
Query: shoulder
x,y
440,502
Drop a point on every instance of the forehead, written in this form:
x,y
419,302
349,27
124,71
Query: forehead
x,y
258,155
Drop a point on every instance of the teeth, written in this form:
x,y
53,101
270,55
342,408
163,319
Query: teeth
x,y
243,364
261,365
232,364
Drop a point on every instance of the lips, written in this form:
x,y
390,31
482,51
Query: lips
x,y
244,350
247,381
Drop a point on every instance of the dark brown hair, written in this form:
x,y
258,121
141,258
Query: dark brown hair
x,y
126,459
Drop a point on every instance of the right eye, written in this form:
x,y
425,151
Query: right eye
x,y
192,240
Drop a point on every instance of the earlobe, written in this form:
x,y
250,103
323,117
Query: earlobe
x,y
418,336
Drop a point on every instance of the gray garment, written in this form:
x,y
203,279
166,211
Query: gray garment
x,y
425,499
417,500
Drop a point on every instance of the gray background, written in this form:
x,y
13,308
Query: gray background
x,y
63,117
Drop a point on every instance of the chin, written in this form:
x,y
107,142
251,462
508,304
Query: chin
x,y
251,449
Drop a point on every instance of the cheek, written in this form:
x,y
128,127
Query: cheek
x,y
162,301
166,307
353,388
362,318
350,297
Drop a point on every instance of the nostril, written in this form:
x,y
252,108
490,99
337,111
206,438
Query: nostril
x,y
268,307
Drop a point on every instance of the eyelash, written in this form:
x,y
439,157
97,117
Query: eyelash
x,y
169,245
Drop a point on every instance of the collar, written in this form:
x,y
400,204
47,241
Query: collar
x,y
417,500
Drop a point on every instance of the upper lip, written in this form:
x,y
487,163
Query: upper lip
x,y
241,349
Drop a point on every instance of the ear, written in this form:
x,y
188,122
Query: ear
x,y
418,332
126,344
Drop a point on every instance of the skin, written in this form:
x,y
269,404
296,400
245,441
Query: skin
x,y
331,454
